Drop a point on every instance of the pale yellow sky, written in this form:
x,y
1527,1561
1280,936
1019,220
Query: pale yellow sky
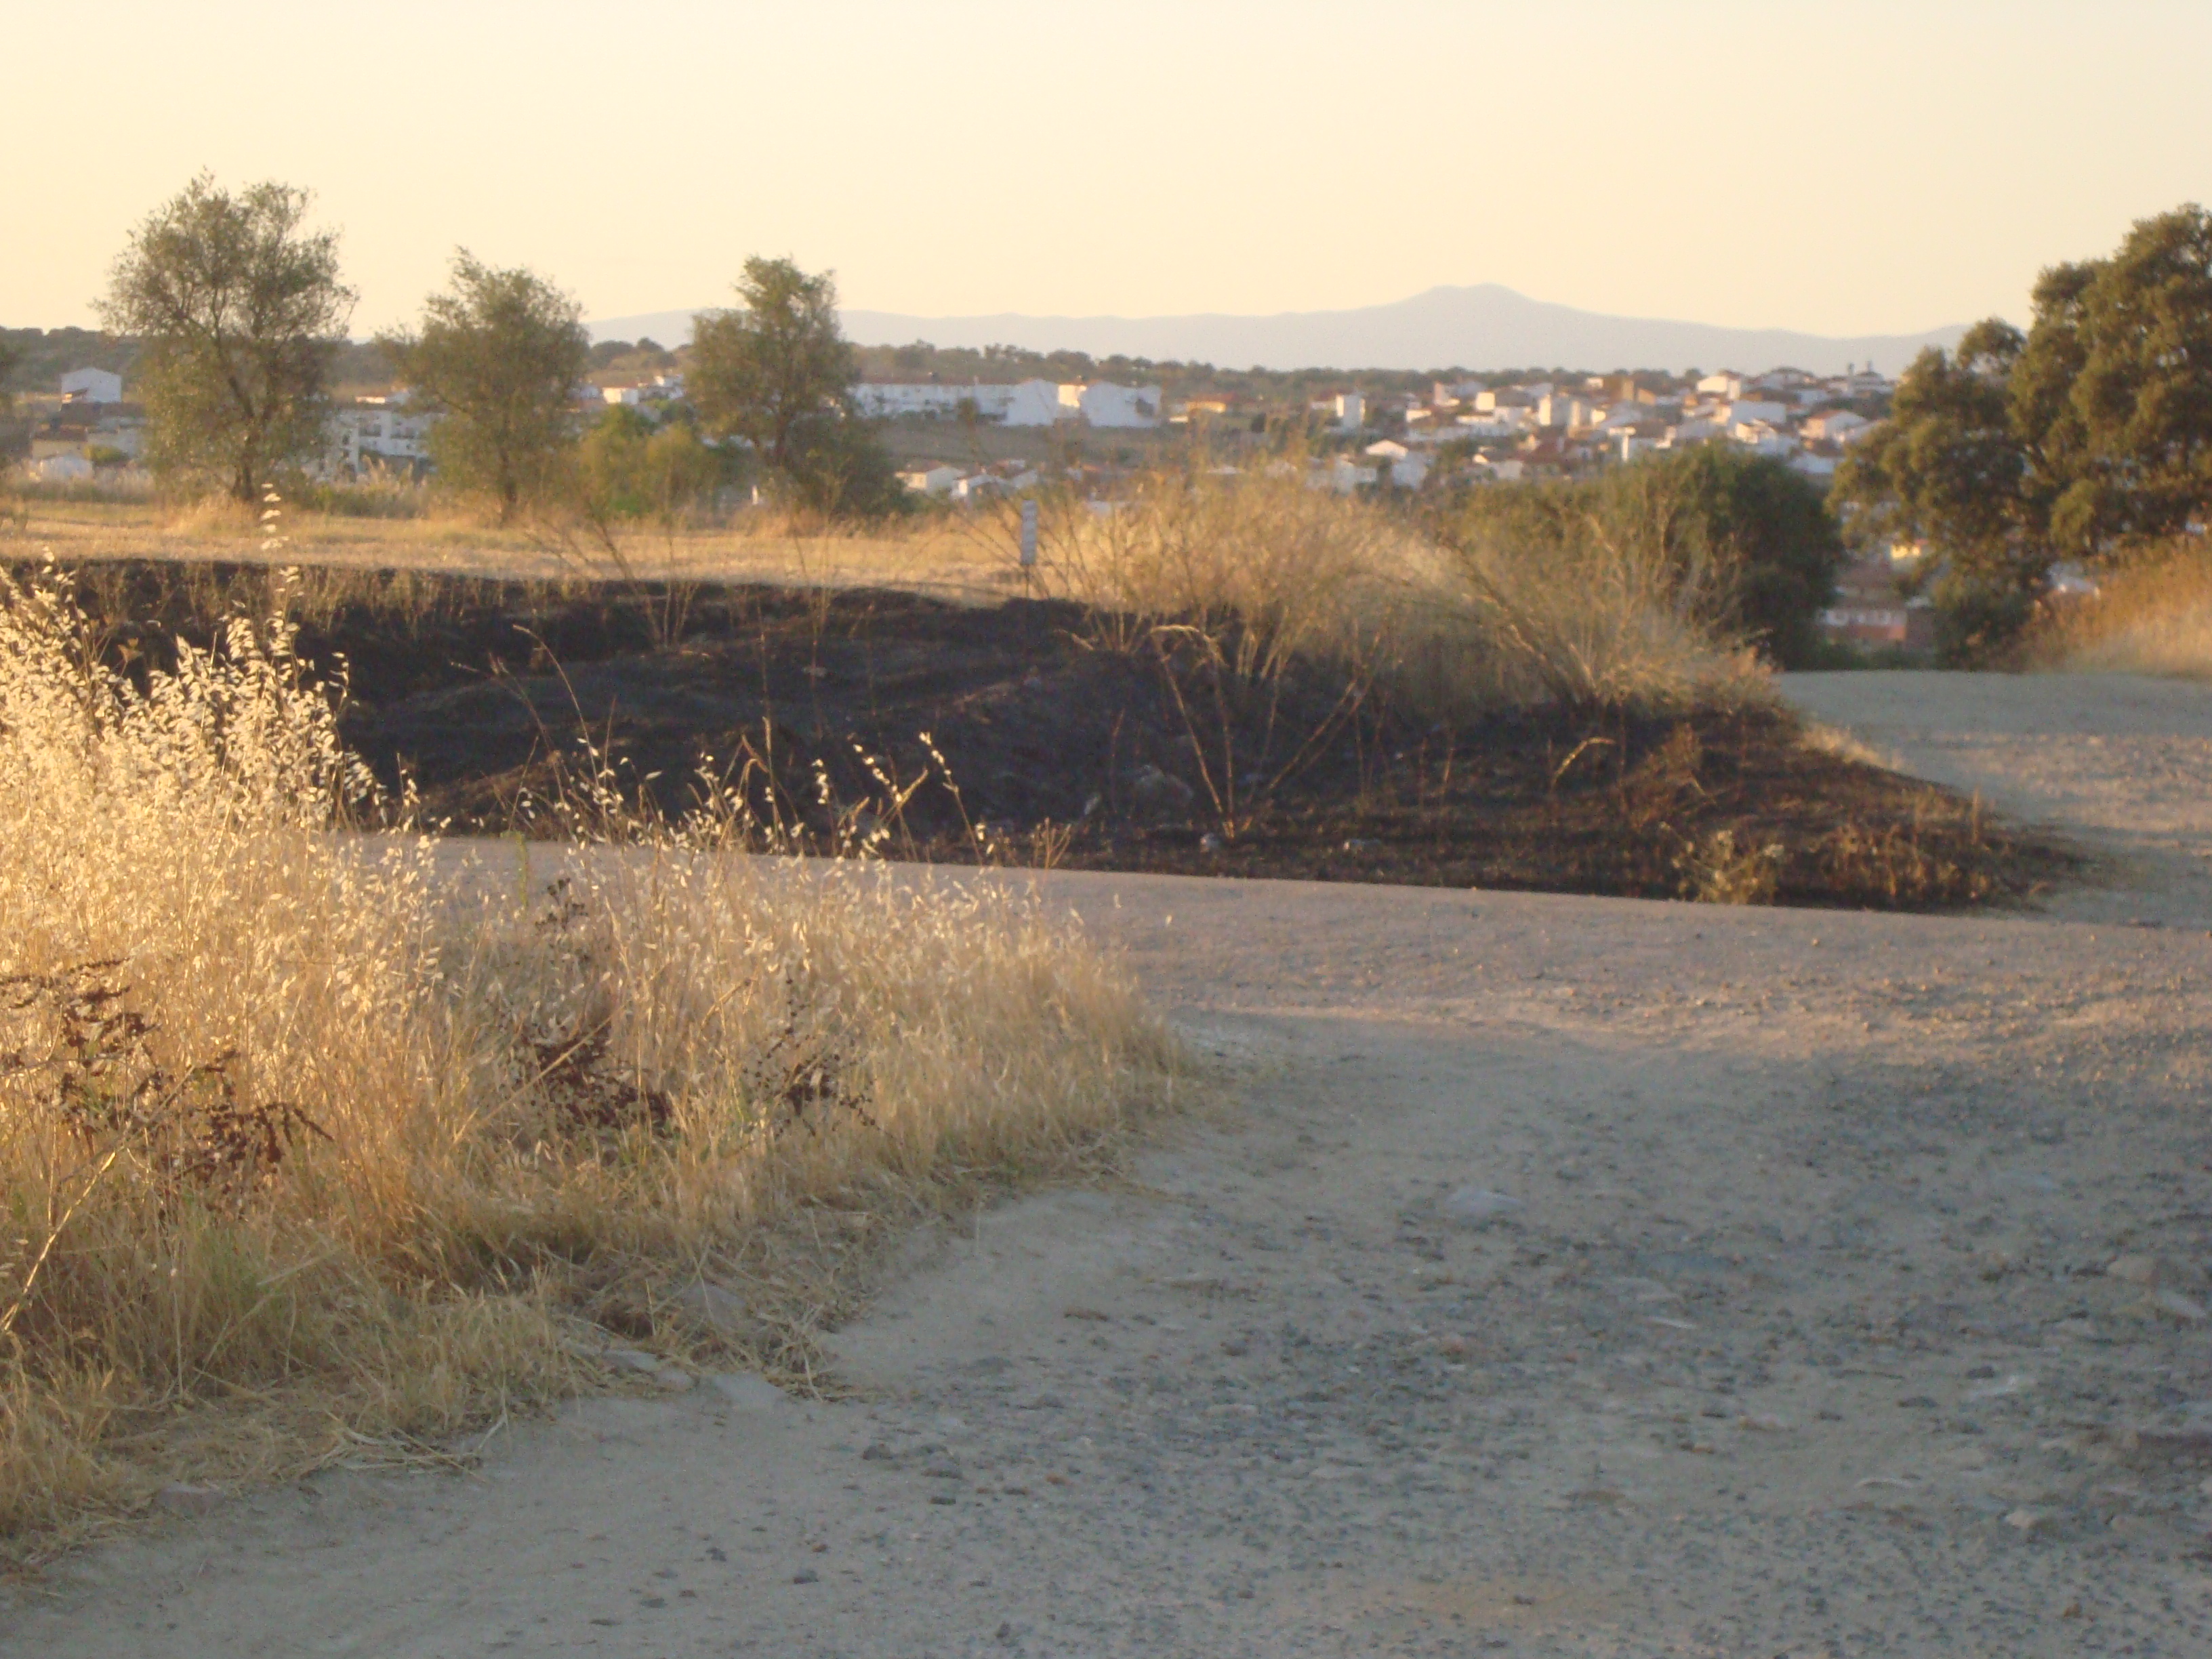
x,y
1840,167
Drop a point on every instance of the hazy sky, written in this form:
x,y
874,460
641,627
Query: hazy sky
x,y
1843,166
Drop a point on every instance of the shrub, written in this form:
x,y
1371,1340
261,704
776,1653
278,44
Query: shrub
x,y
1754,540
294,1113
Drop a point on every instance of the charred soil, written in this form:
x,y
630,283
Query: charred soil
x,y
1034,731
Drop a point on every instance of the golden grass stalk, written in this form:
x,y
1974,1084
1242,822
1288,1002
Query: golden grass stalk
x,y
2153,617
306,1118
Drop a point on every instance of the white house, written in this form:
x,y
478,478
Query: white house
x,y
1039,402
1837,425
1763,439
1104,404
931,480
378,431
91,386
1350,409
1409,470
1745,409
887,400
1726,387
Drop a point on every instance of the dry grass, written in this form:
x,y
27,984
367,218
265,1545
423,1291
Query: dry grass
x,y
2154,618
1454,630
310,1148
1488,622
933,553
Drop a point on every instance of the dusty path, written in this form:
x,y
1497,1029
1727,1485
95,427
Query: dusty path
x,y
2122,761
1800,1339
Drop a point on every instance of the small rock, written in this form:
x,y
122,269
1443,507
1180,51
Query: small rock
x,y
674,1379
2133,1269
749,1389
2177,1307
183,1497
2028,1520
877,1452
942,1468
944,1497
1477,1206
1237,1347
1917,1403
807,1575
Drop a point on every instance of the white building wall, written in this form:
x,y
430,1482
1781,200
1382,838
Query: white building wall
x,y
92,386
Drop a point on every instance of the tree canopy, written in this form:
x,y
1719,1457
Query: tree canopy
x,y
760,371
241,309
500,356
2089,437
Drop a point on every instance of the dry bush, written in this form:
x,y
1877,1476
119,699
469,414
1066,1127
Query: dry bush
x,y
295,1120
2153,617
1455,630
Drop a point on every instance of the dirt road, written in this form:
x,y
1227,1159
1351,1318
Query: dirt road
x,y
1575,1277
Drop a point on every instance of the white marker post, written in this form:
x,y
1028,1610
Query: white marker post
x,y
1029,542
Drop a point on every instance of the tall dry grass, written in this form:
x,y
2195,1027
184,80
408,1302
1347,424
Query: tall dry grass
x,y
304,1128
2152,618
1456,627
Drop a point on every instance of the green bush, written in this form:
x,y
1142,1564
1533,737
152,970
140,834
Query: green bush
x,y
1743,524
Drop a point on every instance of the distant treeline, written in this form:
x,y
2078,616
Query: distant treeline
x,y
952,364
42,356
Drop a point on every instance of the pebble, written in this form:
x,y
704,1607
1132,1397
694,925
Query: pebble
x,y
749,1389
2027,1519
2178,1307
1479,1206
183,1497
807,1575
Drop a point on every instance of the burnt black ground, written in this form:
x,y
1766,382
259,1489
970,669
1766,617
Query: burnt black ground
x,y
1041,730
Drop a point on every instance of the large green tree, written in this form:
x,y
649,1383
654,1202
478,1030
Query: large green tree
x,y
241,310
777,372
499,356
2089,437
2113,393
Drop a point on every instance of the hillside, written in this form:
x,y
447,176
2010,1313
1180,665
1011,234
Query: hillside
x,y
1479,328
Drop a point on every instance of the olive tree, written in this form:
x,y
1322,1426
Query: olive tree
x,y
241,310
761,371
500,358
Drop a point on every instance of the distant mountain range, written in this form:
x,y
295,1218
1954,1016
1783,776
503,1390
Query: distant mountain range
x,y
1483,327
